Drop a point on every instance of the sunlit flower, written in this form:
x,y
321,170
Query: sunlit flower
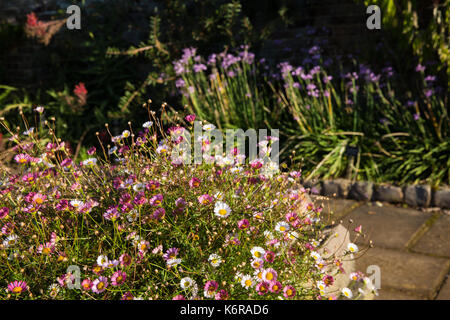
x,y
118,278
215,260
248,281
186,283
17,287
347,292
99,285
221,209
258,252
289,292
353,248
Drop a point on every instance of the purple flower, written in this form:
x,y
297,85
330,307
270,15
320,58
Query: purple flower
x,y
171,254
158,213
247,57
416,116
212,59
429,93
180,83
199,67
420,68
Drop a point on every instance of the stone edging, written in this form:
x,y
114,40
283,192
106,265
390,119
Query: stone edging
x,y
413,195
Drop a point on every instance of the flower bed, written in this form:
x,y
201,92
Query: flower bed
x,y
133,223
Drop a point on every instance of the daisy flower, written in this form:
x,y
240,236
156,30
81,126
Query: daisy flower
x,y
209,127
248,281
17,287
282,227
147,124
90,162
205,199
118,278
99,285
221,209
125,134
269,256
221,295
321,285
171,253
53,290
269,275
195,182
274,286
215,260
76,204
138,187
257,252
186,283
353,248
315,255
173,262
257,263
289,292
22,158
262,288
125,260
102,260
354,276
10,241
243,224
347,292
219,195
210,289
86,284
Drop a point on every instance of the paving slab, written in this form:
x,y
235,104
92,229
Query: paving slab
x,y
418,275
392,294
334,209
387,226
436,240
444,293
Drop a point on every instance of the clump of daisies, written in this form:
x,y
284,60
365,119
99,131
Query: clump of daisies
x,y
129,221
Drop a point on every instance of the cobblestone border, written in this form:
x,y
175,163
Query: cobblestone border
x,y
418,195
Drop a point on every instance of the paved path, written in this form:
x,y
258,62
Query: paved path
x,y
411,247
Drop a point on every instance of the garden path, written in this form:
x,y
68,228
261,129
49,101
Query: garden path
x,y
410,246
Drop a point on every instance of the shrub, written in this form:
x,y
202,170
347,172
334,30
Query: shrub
x,y
140,224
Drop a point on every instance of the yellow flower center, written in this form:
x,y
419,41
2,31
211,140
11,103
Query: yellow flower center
x,y
119,279
269,276
17,290
289,292
257,254
222,212
23,160
282,228
275,288
101,285
248,283
39,200
46,251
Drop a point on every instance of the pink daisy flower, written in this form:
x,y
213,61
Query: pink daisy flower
x,y
118,278
262,288
99,285
243,224
22,158
289,292
194,182
86,284
205,199
275,286
17,287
